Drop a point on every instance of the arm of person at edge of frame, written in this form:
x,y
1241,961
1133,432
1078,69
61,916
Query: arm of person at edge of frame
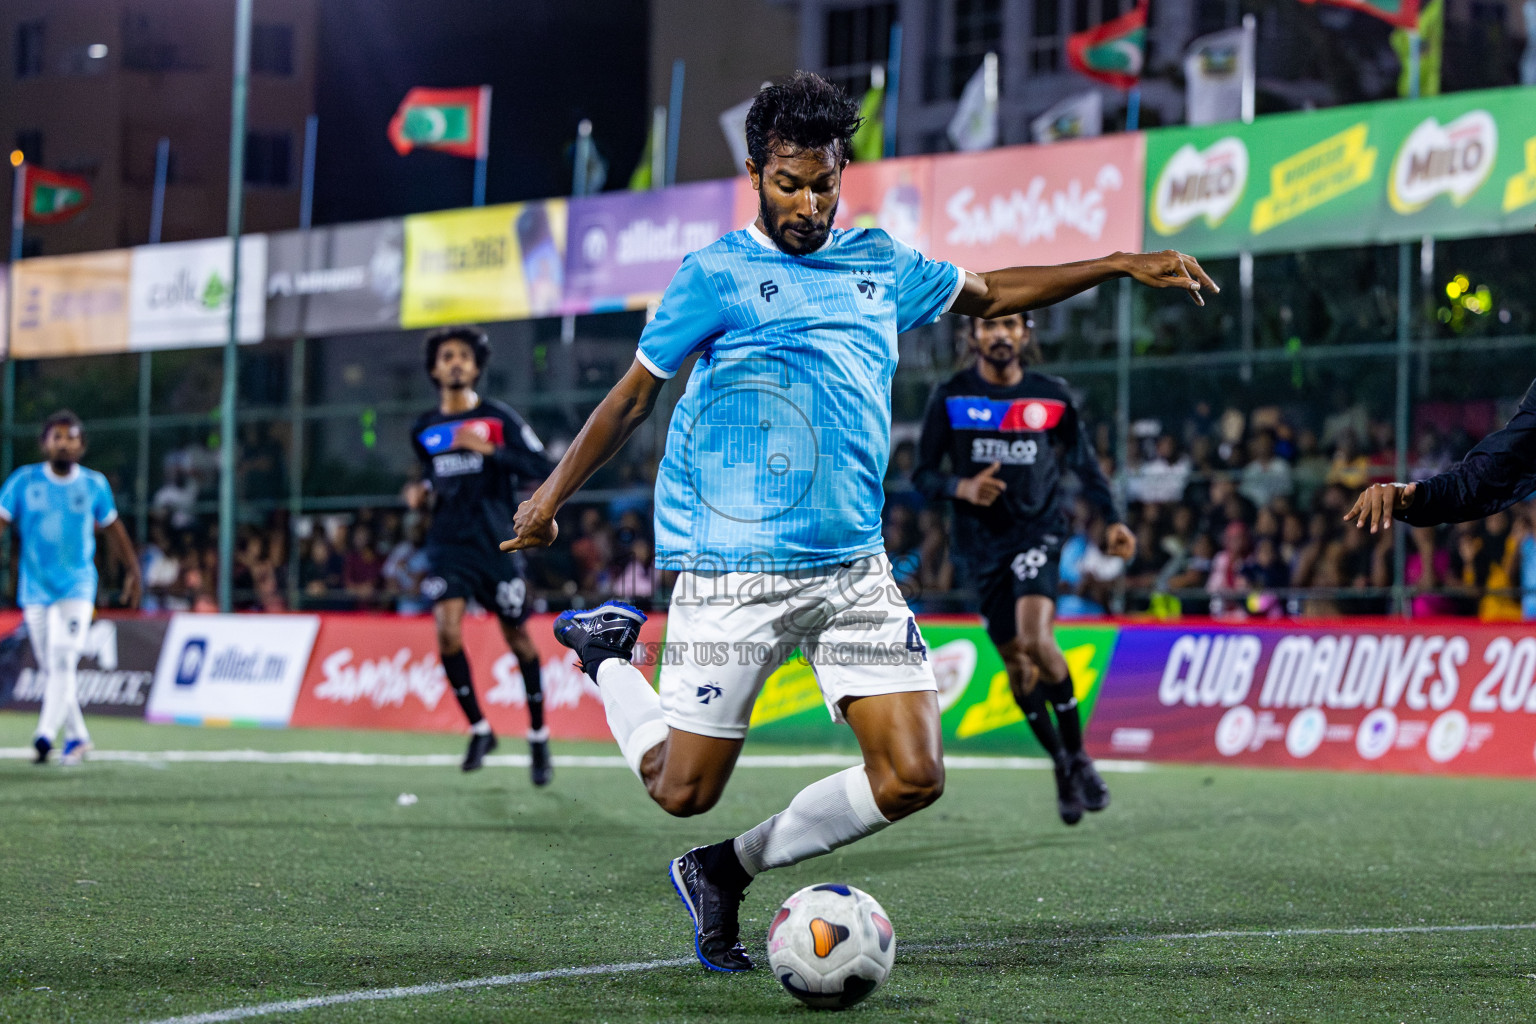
x,y
122,548
1019,289
1498,472
616,417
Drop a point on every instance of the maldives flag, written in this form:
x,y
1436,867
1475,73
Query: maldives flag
x,y
52,196
455,121
1402,13
1113,52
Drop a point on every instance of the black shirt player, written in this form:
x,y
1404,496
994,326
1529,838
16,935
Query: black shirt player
x,y
472,452
1007,433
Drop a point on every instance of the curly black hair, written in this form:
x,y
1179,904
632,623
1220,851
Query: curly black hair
x,y
806,112
470,335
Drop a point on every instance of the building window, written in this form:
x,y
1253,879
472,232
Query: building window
x,y
1046,43
30,142
269,159
272,49
974,29
858,39
29,49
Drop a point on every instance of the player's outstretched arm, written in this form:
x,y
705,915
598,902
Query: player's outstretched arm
x,y
1019,289
616,417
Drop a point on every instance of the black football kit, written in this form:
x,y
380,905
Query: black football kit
x,y
474,499
1012,548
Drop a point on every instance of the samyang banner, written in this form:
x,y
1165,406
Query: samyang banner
x,y
503,262
1036,205
1452,166
335,280
625,246
1445,696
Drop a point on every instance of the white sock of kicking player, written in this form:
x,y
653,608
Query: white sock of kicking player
x,y
823,816
634,710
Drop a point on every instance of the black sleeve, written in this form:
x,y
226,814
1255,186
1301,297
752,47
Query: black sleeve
x,y
421,453
929,477
1500,471
1085,463
521,453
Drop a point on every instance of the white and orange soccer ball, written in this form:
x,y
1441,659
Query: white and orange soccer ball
x,y
831,945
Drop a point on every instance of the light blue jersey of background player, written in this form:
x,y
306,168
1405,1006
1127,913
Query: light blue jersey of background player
x,y
57,519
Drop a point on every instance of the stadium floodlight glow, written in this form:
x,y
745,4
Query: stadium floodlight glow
x,y
96,51
17,156
1453,290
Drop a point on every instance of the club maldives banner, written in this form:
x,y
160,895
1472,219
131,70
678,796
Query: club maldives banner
x,y
625,246
117,666
1442,696
335,280
70,305
486,263
1448,167
179,293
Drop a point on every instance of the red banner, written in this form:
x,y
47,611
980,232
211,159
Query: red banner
x,y
1038,205
1444,696
373,672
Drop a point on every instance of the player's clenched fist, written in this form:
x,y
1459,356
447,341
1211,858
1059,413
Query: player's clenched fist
x,y
535,526
1120,542
983,488
1378,502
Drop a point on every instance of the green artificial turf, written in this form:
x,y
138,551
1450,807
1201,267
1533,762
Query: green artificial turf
x,y
135,892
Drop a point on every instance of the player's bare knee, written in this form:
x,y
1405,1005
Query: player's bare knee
x,y
909,787
449,642
683,800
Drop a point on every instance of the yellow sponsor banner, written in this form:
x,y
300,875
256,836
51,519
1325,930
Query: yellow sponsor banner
x,y
791,689
502,262
1521,189
999,709
1314,176
70,305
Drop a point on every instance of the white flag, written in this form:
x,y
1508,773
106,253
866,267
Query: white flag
x,y
1215,67
733,122
974,125
1076,117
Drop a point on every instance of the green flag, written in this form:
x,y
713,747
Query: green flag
x,y
869,140
1431,49
640,180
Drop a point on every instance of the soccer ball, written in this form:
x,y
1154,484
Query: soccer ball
x,y
831,945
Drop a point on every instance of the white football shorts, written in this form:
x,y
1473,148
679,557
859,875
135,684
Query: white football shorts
x,y
728,632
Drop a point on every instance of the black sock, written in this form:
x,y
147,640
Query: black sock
x,y
457,668
535,691
1064,703
723,867
1040,722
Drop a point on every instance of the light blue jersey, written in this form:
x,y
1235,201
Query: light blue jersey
x,y
776,453
57,518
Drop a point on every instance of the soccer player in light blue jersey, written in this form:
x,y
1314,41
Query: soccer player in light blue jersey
x,y
57,507
768,502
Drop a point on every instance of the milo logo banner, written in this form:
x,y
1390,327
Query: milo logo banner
x,y
1438,696
1451,166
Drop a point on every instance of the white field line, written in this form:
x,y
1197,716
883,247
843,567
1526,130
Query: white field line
x,y
501,980
521,760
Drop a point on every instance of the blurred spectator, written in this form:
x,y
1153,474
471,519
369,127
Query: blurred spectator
x,y
320,576
1267,476
1161,480
176,499
362,569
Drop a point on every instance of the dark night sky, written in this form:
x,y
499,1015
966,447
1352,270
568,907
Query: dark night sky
x,y
550,62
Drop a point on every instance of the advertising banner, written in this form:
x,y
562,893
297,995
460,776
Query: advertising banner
x,y
179,293
1442,696
485,263
1450,166
117,666
895,195
1033,205
231,669
335,280
70,305
369,672
625,246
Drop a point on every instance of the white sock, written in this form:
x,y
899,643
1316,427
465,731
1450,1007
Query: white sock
x,y
823,816
634,710
482,727
538,735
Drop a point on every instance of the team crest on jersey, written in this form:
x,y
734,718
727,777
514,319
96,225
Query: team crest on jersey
x,y
1009,416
